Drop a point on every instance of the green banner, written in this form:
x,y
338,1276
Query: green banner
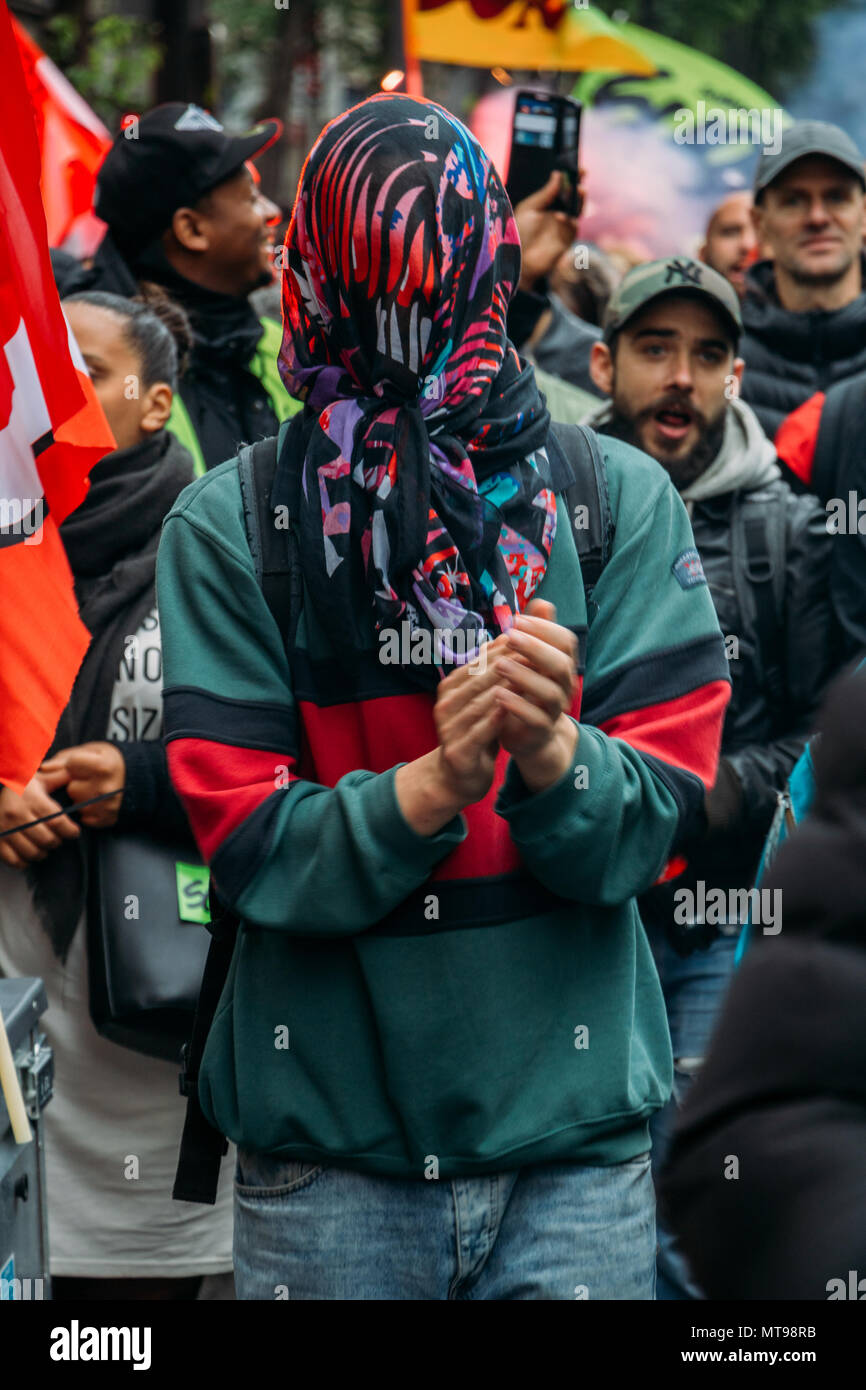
x,y
684,79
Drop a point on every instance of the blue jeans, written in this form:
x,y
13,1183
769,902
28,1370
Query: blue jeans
x,y
694,987
552,1231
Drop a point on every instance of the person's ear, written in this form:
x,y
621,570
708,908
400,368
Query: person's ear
x,y
738,369
601,367
156,407
189,229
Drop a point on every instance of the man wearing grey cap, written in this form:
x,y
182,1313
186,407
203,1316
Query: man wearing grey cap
x,y
669,363
804,312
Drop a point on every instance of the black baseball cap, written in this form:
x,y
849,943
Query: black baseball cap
x,y
809,138
675,275
166,159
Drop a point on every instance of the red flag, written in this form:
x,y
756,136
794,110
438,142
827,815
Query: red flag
x,y
52,431
73,143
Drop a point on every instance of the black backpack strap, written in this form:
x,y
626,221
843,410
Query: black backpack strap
x,y
273,547
201,1146
588,503
761,563
271,537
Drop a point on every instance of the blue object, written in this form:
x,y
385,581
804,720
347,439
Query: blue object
x,y
794,804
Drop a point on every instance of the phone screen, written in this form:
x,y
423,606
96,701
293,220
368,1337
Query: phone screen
x,y
545,135
535,121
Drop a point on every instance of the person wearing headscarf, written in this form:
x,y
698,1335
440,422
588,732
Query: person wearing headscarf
x,y
432,800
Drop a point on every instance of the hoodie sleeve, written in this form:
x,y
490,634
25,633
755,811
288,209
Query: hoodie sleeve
x,y
650,710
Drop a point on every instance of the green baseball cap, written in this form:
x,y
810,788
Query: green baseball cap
x,y
675,275
804,138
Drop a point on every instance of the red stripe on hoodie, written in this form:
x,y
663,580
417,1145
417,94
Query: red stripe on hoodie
x,y
373,734
685,732
220,786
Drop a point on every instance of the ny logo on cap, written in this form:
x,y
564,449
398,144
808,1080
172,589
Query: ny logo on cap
x,y
194,118
689,272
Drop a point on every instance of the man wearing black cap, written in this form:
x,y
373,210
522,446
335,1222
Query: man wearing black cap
x,y
804,311
670,365
184,211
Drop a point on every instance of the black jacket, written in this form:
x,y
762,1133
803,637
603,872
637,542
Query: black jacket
x,y
765,728
227,403
780,649
763,735
564,348
766,1183
789,356
838,475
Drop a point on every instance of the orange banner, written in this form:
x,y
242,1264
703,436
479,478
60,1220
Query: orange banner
x,y
72,142
552,35
52,432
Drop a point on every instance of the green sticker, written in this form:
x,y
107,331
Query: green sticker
x,y
192,886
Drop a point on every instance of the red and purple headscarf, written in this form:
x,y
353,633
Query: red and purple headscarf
x,y
423,486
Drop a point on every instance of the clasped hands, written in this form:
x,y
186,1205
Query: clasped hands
x,y
518,701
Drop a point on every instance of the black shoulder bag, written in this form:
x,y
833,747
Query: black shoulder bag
x,y
147,908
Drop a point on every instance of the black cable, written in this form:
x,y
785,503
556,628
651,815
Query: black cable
x,y
68,811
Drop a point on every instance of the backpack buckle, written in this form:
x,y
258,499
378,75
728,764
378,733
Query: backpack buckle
x,y
758,559
759,569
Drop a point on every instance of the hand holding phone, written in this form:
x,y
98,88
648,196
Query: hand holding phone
x,y
544,233
545,136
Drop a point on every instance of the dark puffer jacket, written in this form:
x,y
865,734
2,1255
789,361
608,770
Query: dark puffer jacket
x,y
822,445
789,356
766,1184
782,658
763,735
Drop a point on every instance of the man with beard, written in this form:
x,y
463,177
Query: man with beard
x,y
184,212
668,361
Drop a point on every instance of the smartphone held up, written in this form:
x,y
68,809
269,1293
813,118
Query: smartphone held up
x,y
545,137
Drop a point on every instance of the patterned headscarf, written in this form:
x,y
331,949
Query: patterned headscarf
x,y
422,480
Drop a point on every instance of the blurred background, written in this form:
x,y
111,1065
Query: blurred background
x,y
305,60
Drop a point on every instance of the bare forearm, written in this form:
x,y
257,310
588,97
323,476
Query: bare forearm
x,y
423,794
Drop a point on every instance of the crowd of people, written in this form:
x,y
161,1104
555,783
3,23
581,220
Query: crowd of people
x,y
482,1014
